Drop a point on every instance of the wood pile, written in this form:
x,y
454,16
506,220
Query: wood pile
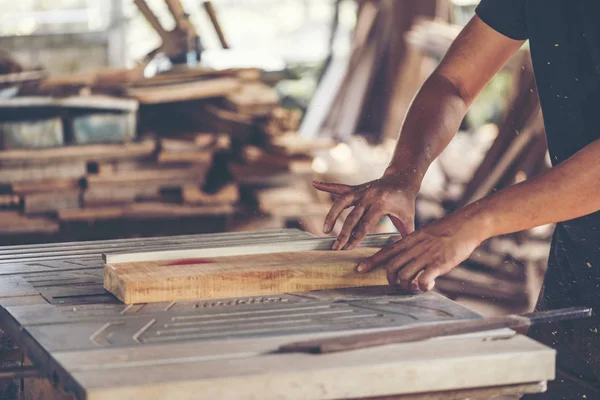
x,y
250,163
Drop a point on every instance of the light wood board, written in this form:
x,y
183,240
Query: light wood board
x,y
245,275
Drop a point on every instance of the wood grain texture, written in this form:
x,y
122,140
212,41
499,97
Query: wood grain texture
x,y
245,275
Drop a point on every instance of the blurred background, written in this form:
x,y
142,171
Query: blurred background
x,y
133,118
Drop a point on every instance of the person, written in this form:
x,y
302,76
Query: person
x,y
564,40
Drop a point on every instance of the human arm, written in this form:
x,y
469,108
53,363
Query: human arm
x,y
431,122
567,191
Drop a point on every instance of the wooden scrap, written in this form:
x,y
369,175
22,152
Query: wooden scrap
x,y
104,195
164,177
95,152
191,157
227,121
254,98
201,89
47,185
238,275
50,202
9,200
212,14
228,194
39,173
15,223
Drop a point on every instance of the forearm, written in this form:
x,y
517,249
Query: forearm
x,y
431,122
567,191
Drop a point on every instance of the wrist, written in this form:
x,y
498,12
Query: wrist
x,y
406,176
482,218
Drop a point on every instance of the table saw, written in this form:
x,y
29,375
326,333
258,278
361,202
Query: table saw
x,y
89,345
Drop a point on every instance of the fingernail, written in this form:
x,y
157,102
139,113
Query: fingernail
x,y
398,281
335,245
326,228
361,267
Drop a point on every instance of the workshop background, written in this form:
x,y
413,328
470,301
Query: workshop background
x,y
123,118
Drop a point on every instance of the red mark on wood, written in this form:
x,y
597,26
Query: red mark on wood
x,y
187,261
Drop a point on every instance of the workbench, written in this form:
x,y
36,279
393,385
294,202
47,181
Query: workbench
x,y
88,345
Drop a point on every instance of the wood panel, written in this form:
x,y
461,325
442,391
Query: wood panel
x,y
245,275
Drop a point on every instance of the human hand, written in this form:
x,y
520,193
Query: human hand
x,y
418,259
392,195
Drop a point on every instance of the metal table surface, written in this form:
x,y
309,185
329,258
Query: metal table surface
x,y
81,337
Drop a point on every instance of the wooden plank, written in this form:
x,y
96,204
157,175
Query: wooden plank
x,y
165,177
201,278
104,195
38,173
9,200
96,152
189,157
202,89
49,202
228,194
253,98
19,224
44,186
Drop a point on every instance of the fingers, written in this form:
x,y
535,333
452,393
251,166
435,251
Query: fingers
x,y
336,209
427,279
405,274
381,256
371,217
334,188
402,268
348,227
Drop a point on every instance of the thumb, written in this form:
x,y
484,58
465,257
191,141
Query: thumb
x,y
334,188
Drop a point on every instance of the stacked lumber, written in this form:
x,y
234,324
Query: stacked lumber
x,y
275,174
248,158
149,178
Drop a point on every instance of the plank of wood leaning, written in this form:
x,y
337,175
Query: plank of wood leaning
x,y
231,276
201,89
